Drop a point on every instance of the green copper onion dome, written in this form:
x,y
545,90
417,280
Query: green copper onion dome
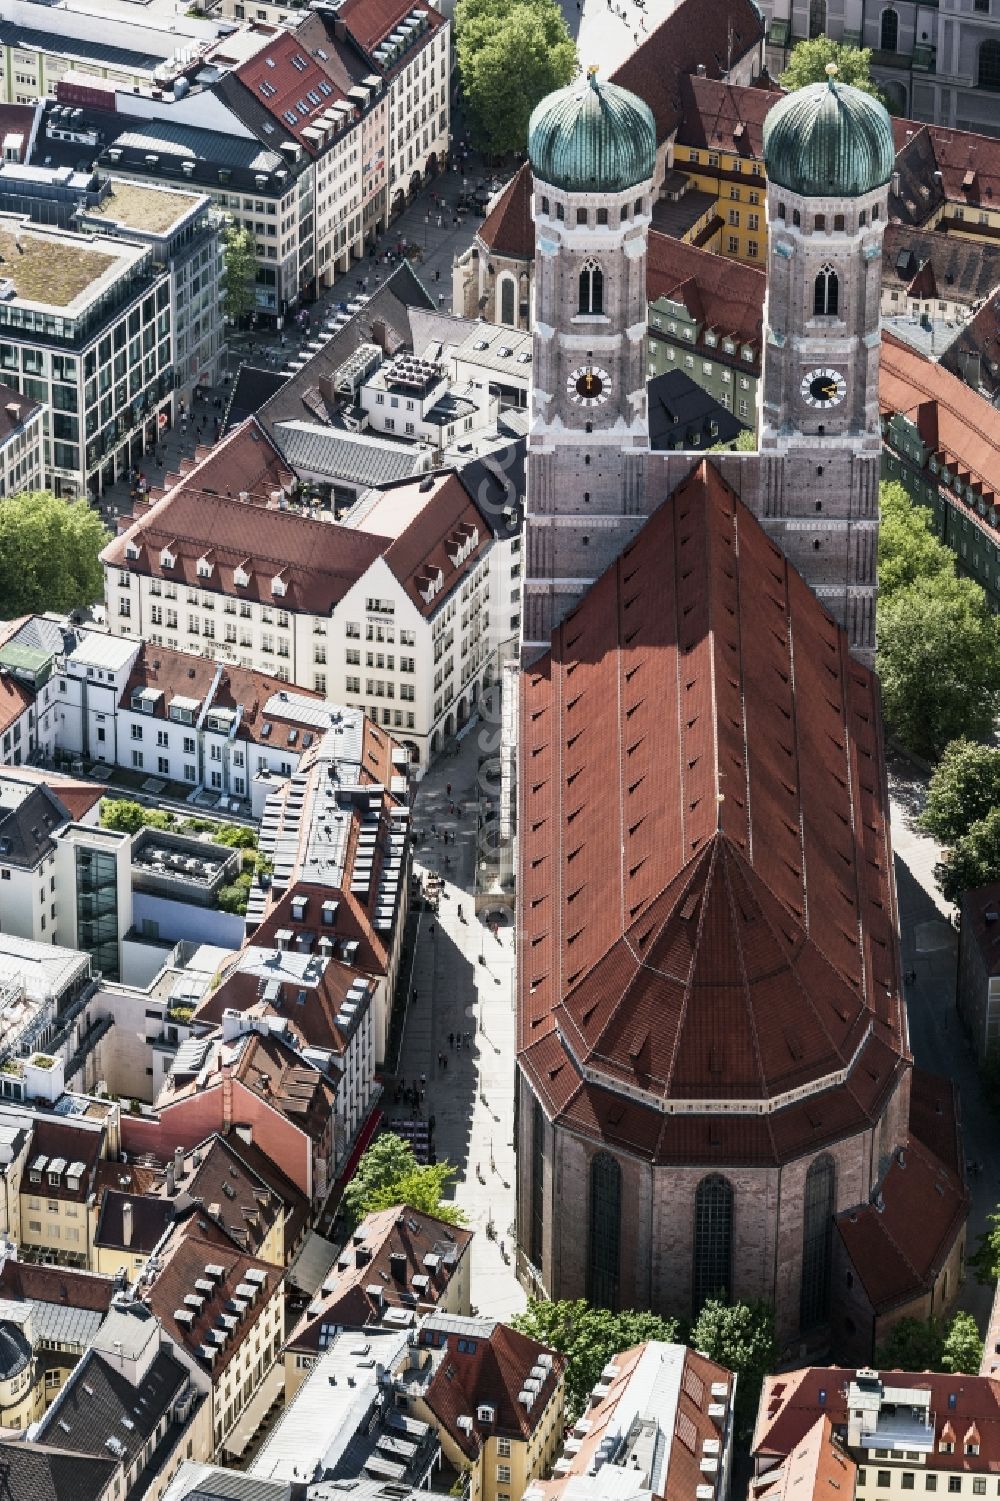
x,y
592,137
829,140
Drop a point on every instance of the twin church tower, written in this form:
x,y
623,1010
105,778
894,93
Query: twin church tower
x,y
592,476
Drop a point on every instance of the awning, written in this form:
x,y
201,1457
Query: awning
x,y
361,1141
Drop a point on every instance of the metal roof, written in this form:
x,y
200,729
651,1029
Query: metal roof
x,y
31,40
354,458
201,145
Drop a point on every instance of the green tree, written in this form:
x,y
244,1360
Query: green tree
x,y
973,860
389,1174
509,57
239,269
744,442
589,1337
740,1336
965,788
128,817
908,548
49,553
986,1260
809,60
912,1345
962,1349
923,1345
939,662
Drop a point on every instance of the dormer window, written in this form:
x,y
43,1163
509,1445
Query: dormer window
x,y
204,568
131,551
167,559
278,586
240,578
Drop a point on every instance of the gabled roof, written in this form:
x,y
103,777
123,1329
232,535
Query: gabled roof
x,y
956,423
975,354
199,1251
793,1401
818,1469
253,695
388,1250
717,36
216,1176
704,844
930,264
36,1283
718,293
99,1404
488,1366
287,81
719,116
508,228
369,22
149,1218
46,1472
318,561
899,1243
55,1140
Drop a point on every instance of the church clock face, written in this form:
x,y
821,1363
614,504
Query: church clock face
x,y
823,388
588,386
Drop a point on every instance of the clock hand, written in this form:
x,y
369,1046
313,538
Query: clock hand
x,y
829,391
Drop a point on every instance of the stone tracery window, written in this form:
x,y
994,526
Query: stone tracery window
x,y
713,1240
591,288
817,1241
604,1244
826,293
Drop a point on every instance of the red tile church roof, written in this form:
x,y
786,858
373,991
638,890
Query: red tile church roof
x,y
706,893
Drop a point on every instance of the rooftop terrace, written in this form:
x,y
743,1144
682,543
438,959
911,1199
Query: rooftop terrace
x,y
139,207
49,270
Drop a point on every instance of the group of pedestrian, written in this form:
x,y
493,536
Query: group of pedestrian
x,y
458,1040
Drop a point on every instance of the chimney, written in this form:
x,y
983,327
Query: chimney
x,y
701,70
127,1222
397,1265
14,411
178,1164
171,1187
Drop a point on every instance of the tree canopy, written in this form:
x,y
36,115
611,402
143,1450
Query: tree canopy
x,y
740,1336
49,553
510,55
973,860
128,817
985,1262
589,1337
809,59
239,269
908,549
925,1345
939,662
964,789
389,1174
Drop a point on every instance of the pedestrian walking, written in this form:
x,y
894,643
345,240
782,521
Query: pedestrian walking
x,y
451,1039
448,789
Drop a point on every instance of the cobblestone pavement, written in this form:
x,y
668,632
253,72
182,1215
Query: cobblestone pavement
x,y
470,1089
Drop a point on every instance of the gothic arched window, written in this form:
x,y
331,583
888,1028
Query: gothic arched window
x,y
817,1237
603,1250
988,76
826,294
591,288
890,30
537,1183
507,301
713,1240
